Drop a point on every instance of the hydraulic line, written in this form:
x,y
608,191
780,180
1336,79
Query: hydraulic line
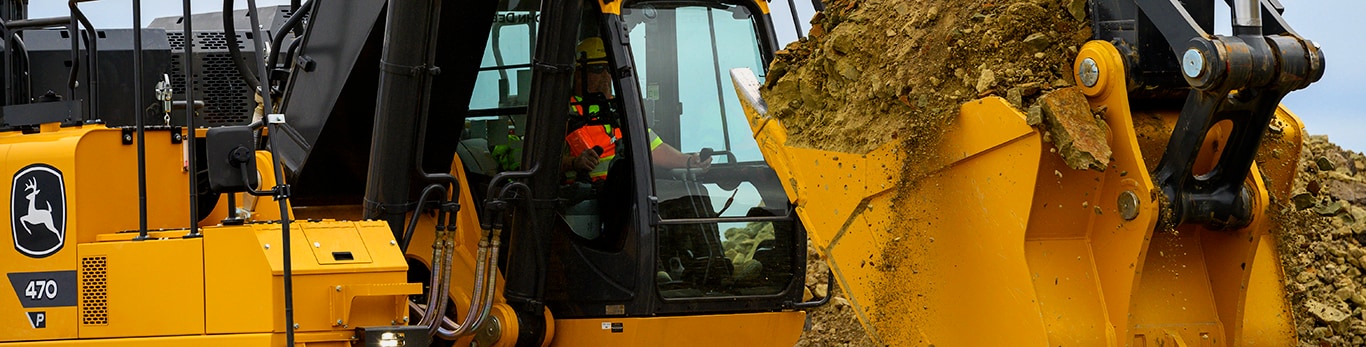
x,y
412,222
295,18
230,34
437,266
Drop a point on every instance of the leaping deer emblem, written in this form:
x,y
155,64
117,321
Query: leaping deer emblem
x,y
36,216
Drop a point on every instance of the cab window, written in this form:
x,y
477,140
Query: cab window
x,y
725,229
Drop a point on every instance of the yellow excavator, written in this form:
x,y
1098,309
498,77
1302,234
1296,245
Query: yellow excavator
x,y
334,173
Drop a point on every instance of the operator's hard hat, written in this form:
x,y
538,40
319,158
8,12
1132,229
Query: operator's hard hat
x,y
590,50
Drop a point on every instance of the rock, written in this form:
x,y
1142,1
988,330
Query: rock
x,y
1330,209
1036,41
985,81
1080,137
1329,313
1015,98
1322,332
1351,191
1324,164
1344,293
839,302
1303,201
1034,116
1029,89
1077,8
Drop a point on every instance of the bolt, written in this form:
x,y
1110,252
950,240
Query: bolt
x,y
1089,73
392,242
405,319
1193,63
267,246
296,326
1276,126
339,322
317,245
128,137
1128,205
339,288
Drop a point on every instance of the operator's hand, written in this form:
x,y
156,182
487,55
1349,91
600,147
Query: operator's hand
x,y
586,161
699,160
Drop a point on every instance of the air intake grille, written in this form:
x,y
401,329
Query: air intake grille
x,y
94,302
227,99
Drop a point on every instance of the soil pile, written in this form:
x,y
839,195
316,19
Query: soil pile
x,y
873,70
1322,253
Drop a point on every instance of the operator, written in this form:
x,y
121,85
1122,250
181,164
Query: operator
x,y
593,134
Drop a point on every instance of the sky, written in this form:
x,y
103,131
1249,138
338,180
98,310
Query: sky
x,y
1326,107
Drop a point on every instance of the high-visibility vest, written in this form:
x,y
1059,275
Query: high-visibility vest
x,y
602,137
597,136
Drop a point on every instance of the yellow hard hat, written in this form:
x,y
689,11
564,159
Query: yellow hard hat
x,y
590,49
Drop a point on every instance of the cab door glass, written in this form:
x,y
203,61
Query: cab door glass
x,y
726,229
491,141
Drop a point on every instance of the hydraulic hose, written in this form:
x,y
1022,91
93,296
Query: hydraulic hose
x,y
438,265
417,212
230,33
279,39
480,298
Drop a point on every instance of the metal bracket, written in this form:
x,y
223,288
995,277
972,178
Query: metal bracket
x,y
176,136
342,297
1237,80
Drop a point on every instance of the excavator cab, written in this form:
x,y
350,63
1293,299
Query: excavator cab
x,y
649,238
641,235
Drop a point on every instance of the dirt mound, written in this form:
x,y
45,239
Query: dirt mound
x,y
873,70
1322,249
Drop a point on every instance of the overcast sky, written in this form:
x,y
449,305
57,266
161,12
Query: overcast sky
x,y
1327,107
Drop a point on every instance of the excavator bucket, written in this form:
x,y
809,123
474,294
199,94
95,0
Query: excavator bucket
x,y
988,238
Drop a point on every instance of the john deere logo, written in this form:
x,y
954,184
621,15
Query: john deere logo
x,y
38,211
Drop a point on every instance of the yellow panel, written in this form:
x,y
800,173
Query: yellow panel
x,y
913,260
140,276
314,282
375,236
171,341
1267,320
238,293
328,241
743,330
1069,293
51,148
